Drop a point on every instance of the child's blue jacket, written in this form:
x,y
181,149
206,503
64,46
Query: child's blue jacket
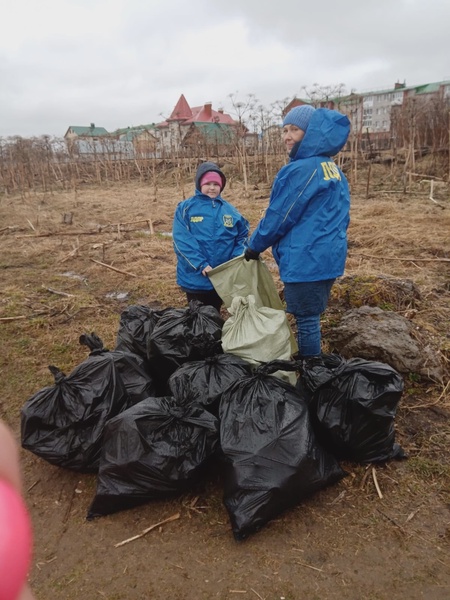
x,y
308,214
206,232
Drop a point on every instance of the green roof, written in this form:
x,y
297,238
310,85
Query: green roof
x,y
216,132
428,88
130,135
88,131
135,129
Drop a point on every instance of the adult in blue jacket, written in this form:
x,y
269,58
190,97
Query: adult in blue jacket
x,y
307,218
207,231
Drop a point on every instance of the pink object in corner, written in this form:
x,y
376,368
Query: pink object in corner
x,y
15,542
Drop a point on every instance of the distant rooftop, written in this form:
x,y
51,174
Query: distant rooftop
x,y
421,88
91,131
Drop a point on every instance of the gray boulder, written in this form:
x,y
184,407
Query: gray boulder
x,y
374,334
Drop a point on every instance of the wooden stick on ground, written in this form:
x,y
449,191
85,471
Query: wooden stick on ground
x,y
375,480
145,531
391,520
112,268
127,223
105,229
398,258
13,318
63,233
308,566
58,293
364,479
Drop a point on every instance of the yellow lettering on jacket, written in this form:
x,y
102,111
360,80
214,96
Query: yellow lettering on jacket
x,y
196,219
330,171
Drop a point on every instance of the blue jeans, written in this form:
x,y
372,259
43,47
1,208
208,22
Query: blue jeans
x,y
306,301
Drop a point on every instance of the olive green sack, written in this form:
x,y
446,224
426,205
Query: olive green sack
x,y
258,329
240,277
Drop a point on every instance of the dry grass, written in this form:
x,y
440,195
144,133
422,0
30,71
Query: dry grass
x,y
52,292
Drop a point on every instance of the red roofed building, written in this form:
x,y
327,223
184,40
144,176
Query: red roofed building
x,y
173,130
182,110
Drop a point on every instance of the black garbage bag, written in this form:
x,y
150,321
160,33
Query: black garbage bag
x,y
64,423
272,458
133,369
204,381
182,335
153,450
135,328
353,407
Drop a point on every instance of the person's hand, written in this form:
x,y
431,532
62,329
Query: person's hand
x,y
206,270
250,254
15,525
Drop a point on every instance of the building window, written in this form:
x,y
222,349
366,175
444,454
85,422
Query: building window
x,y
367,117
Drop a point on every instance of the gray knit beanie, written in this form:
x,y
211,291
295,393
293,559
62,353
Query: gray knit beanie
x,y
299,116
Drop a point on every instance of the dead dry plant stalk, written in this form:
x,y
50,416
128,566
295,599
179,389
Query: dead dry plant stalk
x,y
406,259
444,396
297,562
147,530
13,318
57,292
113,268
256,594
375,481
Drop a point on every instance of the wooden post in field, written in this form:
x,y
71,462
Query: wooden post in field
x,y
368,180
448,147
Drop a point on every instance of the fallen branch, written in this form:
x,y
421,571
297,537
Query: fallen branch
x,y
65,294
112,268
375,480
51,234
431,182
391,520
412,515
13,318
71,254
128,223
426,177
32,486
145,531
364,479
101,230
308,566
403,259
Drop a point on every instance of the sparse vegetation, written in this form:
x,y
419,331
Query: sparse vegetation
x,y
344,543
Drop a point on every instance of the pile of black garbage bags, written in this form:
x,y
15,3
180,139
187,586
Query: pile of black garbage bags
x,y
154,415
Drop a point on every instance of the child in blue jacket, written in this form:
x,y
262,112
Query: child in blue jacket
x,y
207,231
307,218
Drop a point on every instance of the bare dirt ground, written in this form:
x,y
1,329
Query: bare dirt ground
x,y
347,542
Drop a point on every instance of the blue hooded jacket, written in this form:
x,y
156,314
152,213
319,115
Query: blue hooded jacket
x,y
206,232
309,209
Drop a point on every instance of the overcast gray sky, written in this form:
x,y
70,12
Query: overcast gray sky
x,y
119,63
